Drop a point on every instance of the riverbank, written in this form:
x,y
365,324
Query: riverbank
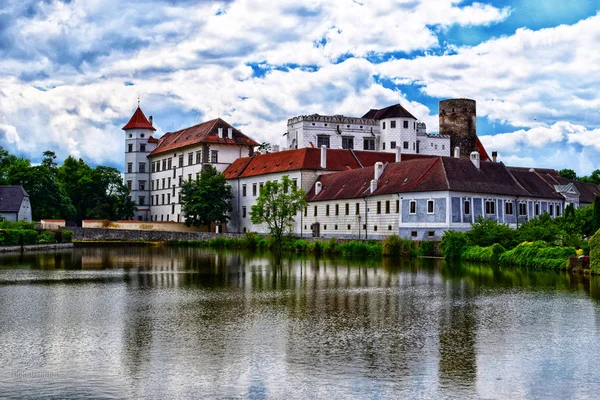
x,y
36,247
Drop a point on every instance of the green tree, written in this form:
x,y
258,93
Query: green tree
x,y
568,174
593,178
596,214
486,232
207,199
277,205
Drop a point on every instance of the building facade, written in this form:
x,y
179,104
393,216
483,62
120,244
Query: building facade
x,y
14,204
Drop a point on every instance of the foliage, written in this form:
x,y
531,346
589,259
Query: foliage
x,y
66,236
264,147
568,174
538,255
595,253
578,221
425,249
485,232
596,214
490,254
394,245
16,225
207,199
46,237
541,228
16,237
276,205
453,243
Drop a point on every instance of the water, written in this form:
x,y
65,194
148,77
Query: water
x,y
190,323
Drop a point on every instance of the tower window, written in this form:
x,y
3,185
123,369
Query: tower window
x,y
405,124
142,147
129,148
392,124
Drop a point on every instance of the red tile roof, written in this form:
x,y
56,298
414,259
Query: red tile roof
x,y
483,155
206,132
304,158
394,111
152,139
138,121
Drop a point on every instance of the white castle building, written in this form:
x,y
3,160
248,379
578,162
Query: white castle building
x,y
378,130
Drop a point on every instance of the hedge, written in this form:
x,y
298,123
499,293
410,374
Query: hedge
x,y
595,253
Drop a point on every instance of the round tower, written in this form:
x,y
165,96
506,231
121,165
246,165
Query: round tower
x,y
458,120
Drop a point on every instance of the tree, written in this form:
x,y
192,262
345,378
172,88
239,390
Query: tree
x,y
264,147
568,174
207,199
277,205
596,215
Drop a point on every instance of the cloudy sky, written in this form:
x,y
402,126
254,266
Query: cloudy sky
x,y
71,70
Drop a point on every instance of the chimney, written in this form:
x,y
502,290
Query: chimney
x,y
377,170
221,133
151,120
494,156
318,187
457,152
230,133
373,185
475,159
398,154
323,156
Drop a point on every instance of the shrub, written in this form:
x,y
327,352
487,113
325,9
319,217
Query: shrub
x,y
66,236
425,249
595,253
538,255
15,237
541,228
19,225
452,244
485,232
46,237
490,254
330,246
394,245
250,240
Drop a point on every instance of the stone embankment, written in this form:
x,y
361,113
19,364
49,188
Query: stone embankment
x,y
98,234
36,247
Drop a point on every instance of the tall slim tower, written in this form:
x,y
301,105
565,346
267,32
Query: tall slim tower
x,y
458,119
138,144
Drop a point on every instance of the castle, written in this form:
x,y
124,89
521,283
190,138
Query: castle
x,y
367,177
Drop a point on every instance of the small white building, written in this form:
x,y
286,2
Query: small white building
x,y
14,204
378,130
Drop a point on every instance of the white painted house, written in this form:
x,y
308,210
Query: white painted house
x,y
14,204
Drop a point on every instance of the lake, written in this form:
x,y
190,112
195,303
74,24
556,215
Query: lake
x,y
165,322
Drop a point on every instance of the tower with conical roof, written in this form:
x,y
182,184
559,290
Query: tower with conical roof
x,y
138,144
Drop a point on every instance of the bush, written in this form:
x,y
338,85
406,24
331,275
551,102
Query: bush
x,y
595,253
452,244
250,240
16,237
66,236
541,228
19,225
425,249
490,254
538,255
394,245
485,232
46,237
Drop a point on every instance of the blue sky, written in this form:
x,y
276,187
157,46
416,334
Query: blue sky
x,y
71,71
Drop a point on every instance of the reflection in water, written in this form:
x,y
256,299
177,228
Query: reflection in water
x,y
165,322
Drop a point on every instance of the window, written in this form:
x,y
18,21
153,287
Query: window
x,y
130,148
430,234
214,156
254,189
392,145
412,207
508,208
378,207
190,158
142,167
369,144
387,206
152,185
347,142
163,199
429,206
383,125
129,185
405,124
243,212
389,227
168,198
347,208
397,206
181,161
405,145
142,185
327,210
490,207
142,200
169,182
337,209
142,147
169,163
151,202
413,234
173,208
173,192
324,227
357,208
305,213
322,140
551,209
392,124
537,208
158,166
335,227
260,186
164,184
129,167
295,182
180,178
349,227
558,210
315,211
375,228
189,177
383,145
198,157
243,190
164,166
467,207
522,208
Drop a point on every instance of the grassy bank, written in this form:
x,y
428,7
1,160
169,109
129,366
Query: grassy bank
x,y
22,233
392,246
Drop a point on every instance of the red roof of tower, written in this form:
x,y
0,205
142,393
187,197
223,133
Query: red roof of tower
x,y
138,121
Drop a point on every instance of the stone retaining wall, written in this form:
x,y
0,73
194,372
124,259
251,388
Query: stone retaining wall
x,y
150,236
37,247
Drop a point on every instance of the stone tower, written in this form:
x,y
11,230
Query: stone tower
x,y
458,120
138,144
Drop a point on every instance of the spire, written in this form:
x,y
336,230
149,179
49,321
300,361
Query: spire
x,y
138,121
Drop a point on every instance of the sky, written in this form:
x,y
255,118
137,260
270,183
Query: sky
x,y
71,71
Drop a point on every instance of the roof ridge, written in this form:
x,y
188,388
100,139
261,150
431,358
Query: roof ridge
x,y
356,157
445,175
